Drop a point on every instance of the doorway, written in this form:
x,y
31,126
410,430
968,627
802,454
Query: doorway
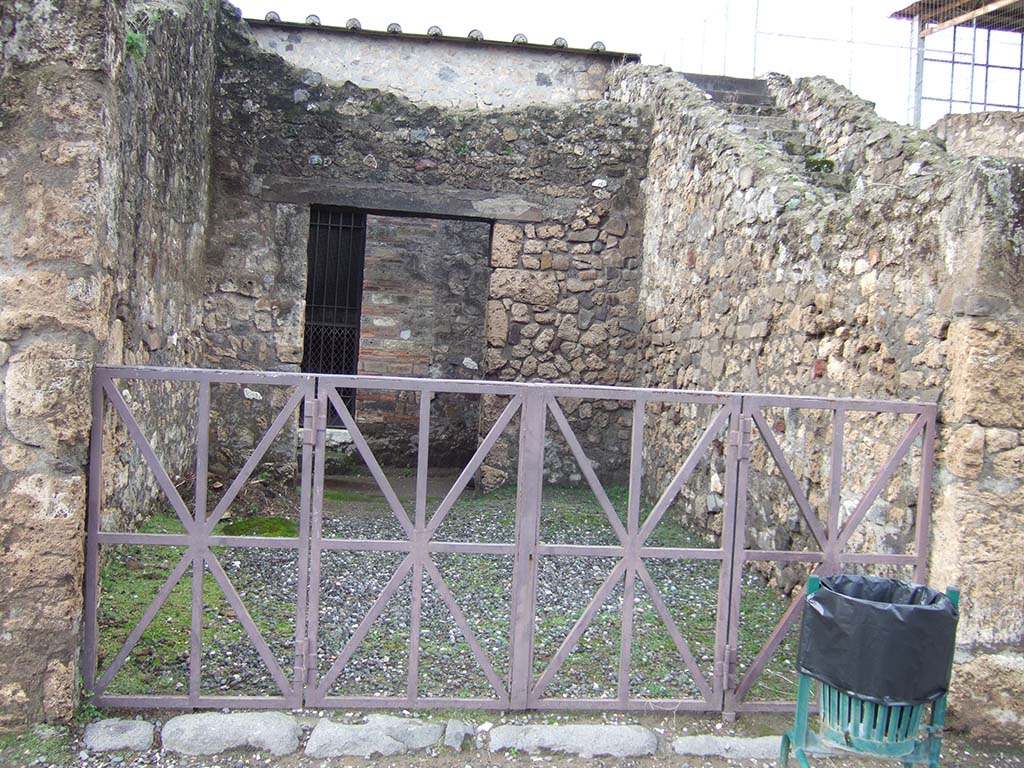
x,y
334,294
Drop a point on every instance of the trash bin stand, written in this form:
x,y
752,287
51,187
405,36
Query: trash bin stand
x,y
852,724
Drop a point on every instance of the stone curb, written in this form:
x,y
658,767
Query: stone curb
x,y
456,732
582,740
735,747
209,733
383,735
118,735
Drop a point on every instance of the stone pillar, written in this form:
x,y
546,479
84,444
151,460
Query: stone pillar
x,y
55,305
103,200
978,532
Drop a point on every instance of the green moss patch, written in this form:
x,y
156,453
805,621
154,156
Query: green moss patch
x,y
280,527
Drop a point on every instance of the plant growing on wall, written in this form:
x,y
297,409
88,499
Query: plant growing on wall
x,y
135,44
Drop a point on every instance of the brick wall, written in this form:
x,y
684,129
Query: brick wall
x,y
424,284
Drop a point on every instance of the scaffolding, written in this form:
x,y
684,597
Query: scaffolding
x,y
968,56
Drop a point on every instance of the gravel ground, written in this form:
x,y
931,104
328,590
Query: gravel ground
x,y
351,581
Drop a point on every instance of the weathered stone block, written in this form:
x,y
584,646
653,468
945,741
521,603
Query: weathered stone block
x,y
987,696
48,403
35,298
548,231
974,530
582,236
209,733
986,360
997,440
965,453
1009,463
117,735
528,287
506,245
496,323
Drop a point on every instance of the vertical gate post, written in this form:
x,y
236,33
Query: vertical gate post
x,y
529,489
924,495
314,445
198,544
733,542
92,555
419,546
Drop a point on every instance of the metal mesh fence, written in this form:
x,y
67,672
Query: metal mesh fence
x,y
969,56
915,61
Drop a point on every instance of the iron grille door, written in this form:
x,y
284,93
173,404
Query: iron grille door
x,y
334,294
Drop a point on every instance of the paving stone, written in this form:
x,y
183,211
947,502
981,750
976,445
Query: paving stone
x,y
414,734
456,732
344,740
115,735
582,740
736,747
210,733
383,735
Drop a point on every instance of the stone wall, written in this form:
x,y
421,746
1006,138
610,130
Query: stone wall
x,y
562,183
982,134
977,520
156,210
460,74
781,283
102,212
127,234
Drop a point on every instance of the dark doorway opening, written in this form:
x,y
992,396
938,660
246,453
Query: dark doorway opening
x,y
334,295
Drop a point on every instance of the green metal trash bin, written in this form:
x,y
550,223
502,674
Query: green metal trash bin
x,y
872,697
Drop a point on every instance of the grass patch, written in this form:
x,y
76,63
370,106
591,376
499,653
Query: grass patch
x,y
132,575
51,744
760,609
342,495
136,44
280,527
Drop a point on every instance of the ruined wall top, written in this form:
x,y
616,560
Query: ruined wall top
x,y
444,71
983,134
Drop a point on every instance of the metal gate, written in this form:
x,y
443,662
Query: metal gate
x,y
522,677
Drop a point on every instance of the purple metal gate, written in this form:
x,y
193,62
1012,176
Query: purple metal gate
x,y
830,549
524,679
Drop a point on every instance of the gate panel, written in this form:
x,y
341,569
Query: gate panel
x,y
641,571
416,592
844,497
189,535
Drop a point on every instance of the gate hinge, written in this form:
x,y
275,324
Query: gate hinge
x,y
321,415
729,661
305,662
311,665
308,422
718,671
732,658
314,421
739,438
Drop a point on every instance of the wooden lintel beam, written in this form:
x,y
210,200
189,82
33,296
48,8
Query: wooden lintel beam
x,y
968,16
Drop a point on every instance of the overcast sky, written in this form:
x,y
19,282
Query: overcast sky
x,y
852,41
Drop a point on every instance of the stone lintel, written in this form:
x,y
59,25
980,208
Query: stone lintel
x,y
417,199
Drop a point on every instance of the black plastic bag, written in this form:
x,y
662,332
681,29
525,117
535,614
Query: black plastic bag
x,y
882,640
